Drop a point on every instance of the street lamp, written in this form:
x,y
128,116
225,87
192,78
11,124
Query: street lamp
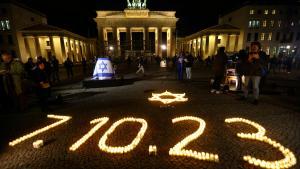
x,y
111,48
163,47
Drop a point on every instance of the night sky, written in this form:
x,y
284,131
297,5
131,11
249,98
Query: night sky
x,y
77,16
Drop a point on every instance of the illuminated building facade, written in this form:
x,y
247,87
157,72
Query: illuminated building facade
x,y
136,29
205,43
276,27
24,33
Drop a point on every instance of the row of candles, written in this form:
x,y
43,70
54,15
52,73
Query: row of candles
x,y
124,149
289,158
100,121
178,149
62,119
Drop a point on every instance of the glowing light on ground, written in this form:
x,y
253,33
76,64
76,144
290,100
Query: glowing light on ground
x,y
289,157
38,144
178,149
62,119
152,150
100,121
177,97
120,150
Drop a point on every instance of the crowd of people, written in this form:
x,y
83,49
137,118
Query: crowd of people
x,y
252,65
17,80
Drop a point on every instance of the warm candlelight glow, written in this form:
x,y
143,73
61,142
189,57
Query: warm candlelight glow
x,y
38,144
289,157
152,150
100,121
120,150
178,149
177,97
62,119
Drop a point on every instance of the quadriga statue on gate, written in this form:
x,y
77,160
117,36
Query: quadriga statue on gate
x,y
137,4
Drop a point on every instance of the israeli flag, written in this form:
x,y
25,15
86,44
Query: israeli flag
x,y
103,69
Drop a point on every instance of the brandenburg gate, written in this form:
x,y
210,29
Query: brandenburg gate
x,y
137,29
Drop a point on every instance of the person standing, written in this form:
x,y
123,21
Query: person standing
x,y
254,67
219,65
84,66
54,63
69,67
141,66
29,66
12,72
43,89
180,61
189,61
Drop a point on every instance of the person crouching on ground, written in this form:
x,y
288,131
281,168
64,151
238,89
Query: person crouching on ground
x,y
253,71
219,65
43,89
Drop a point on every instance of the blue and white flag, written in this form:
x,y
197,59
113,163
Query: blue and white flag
x,y
103,69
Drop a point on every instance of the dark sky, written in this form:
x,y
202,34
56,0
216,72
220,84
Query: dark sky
x,y
77,16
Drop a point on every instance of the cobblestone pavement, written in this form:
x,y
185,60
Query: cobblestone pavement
x,y
277,114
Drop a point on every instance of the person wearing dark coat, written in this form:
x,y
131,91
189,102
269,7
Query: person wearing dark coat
x,y
12,72
69,67
29,66
43,89
84,66
180,61
189,61
54,65
254,70
219,65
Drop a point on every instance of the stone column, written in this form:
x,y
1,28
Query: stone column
x,y
52,45
80,49
105,42
116,43
63,49
27,47
207,44
128,39
84,50
228,43
88,52
173,42
146,40
37,46
200,46
197,49
168,44
75,50
216,44
236,43
159,41
69,48
101,40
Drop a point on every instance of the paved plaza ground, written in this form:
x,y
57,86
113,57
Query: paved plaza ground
x,y
278,113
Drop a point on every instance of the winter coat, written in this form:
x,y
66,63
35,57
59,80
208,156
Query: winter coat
x,y
219,64
12,81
